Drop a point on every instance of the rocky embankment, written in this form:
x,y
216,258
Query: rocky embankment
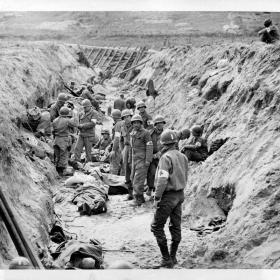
x,y
31,73
233,91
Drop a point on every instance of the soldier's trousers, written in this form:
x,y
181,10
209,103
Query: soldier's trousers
x,y
116,163
194,156
152,173
61,156
138,177
84,141
126,164
170,205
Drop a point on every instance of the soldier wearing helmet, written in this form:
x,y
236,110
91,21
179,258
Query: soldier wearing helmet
x,y
196,149
159,123
270,33
147,119
86,138
115,155
142,154
171,179
62,126
119,103
87,95
125,147
104,141
37,121
54,110
182,135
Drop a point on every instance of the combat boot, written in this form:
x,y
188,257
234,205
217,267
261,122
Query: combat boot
x,y
173,251
130,192
138,201
166,260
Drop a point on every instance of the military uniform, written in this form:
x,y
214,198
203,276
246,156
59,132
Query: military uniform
x,y
86,136
146,119
119,104
126,153
54,111
102,144
155,136
142,153
197,149
62,139
171,179
87,95
116,160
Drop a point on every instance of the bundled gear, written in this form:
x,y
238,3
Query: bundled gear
x,y
130,104
151,89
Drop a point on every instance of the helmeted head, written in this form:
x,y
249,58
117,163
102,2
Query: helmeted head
x,y
141,106
20,263
137,121
86,104
168,137
34,113
116,114
196,130
105,133
61,99
127,115
87,263
64,111
267,22
184,134
159,122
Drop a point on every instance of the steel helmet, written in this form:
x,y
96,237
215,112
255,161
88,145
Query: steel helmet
x,y
104,131
196,130
136,118
168,137
140,105
64,111
34,113
62,97
126,112
86,103
116,114
159,119
184,133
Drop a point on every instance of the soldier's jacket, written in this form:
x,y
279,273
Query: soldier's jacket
x,y
116,134
45,125
198,144
172,172
119,104
61,131
146,120
142,147
102,144
125,135
155,135
54,111
87,126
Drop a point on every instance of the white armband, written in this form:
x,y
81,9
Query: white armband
x,y
163,174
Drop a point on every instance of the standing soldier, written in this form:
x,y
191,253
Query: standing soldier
x,y
147,119
126,129
62,141
86,136
159,123
171,179
142,153
119,103
115,155
54,111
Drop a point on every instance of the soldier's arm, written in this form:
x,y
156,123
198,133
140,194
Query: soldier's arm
x,y
52,114
117,135
149,148
162,176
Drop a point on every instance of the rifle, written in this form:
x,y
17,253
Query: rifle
x,y
22,244
69,89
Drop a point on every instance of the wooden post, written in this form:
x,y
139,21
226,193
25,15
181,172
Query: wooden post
x,y
135,60
111,53
90,53
102,56
100,50
98,59
130,58
116,67
112,58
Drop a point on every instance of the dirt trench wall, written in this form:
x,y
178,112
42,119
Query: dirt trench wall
x,y
233,91
30,72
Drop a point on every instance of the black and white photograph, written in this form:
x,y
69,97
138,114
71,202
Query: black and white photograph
x,y
139,139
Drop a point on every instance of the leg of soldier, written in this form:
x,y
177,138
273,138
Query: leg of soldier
x,y
139,180
127,171
115,164
64,156
151,174
194,156
79,148
56,154
89,141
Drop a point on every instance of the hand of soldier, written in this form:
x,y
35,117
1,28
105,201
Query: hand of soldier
x,y
147,164
198,144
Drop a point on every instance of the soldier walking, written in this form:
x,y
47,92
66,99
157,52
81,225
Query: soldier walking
x,y
171,179
142,153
